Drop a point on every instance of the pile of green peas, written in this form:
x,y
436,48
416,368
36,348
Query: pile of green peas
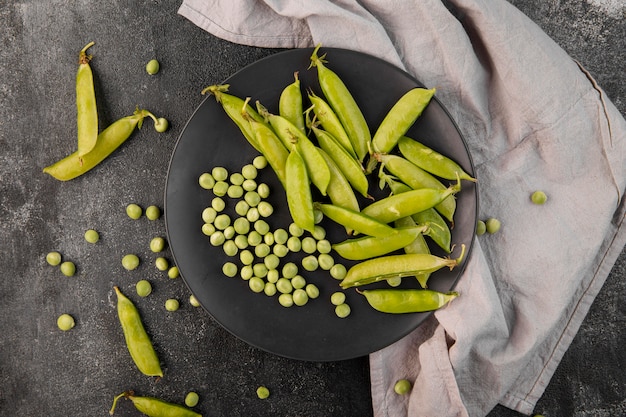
x,y
258,251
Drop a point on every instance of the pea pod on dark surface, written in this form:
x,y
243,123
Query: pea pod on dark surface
x,y
431,161
86,109
329,121
154,407
418,245
356,221
339,190
290,103
370,247
298,191
402,301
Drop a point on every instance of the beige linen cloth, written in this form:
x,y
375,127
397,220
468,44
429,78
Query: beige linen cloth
x,y
533,119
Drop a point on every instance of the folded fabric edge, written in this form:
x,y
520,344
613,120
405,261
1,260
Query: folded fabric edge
x,y
200,20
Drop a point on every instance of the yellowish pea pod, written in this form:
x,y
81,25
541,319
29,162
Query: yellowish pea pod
x,y
154,407
402,301
86,109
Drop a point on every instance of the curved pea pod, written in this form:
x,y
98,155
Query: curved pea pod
x,y
86,109
329,121
396,206
400,118
344,105
438,229
108,141
271,147
298,191
401,301
290,103
154,407
416,178
137,340
392,266
355,220
431,161
418,245
368,247
234,108
350,167
339,189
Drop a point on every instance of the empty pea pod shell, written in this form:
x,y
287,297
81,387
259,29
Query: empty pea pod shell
x,y
401,301
154,407
431,161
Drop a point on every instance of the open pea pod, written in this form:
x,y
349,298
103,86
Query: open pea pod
x,y
86,109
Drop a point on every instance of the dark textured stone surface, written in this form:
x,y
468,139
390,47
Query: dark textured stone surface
x,y
44,371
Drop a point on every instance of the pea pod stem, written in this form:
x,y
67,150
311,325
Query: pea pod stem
x,y
154,407
86,109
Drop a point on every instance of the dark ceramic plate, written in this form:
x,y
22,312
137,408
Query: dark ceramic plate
x,y
312,332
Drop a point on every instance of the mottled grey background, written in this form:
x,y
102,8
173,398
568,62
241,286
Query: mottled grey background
x,y
44,371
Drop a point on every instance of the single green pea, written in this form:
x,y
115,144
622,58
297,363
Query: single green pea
x,y
222,221
191,399
337,298
172,304
252,197
208,229
280,250
235,191
206,181
253,214
325,261
209,214
319,232
300,297
309,245
65,322
218,204
241,225
259,162
394,281
268,238
262,392
283,285
265,209
194,301
161,264
92,236
236,178
294,244
271,261
324,246
241,241
249,172
241,208
260,270
342,310
173,272
312,290
281,236
272,276
481,228
318,216
493,225
161,124
249,185
230,248
220,188
285,299
254,238
263,190
153,212
217,238
229,232
157,244
298,282
53,258
130,261
134,211
256,284
262,227
230,269
246,257
539,197
295,230
310,263
143,288
402,387
219,173
290,270
338,271
246,272
152,67
270,289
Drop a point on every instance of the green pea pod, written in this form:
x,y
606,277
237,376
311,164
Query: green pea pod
x,y
431,161
400,118
290,104
329,121
339,189
350,167
416,178
271,147
344,105
108,141
154,407
86,109
355,220
401,301
419,245
137,340
235,108
391,266
299,199
370,247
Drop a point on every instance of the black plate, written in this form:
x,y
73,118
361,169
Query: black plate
x,y
210,138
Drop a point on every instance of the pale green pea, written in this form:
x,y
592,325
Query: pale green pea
x,y
220,188
324,246
208,229
260,270
172,304
157,244
249,185
394,282
402,387
312,290
268,238
281,236
492,225
285,300
209,214
219,173
318,216
290,270
236,178
246,257
143,288
300,297
325,261
272,276
241,225
218,204
539,197
262,250
222,221
92,236
161,264
262,392
481,228
338,271
249,172
241,208
265,209
134,211
246,272
53,258
342,310
310,263
319,232
309,245
253,214
217,238
262,227
280,250
283,285
153,212
235,191
129,261
337,298
298,282
206,181
271,261
252,197
294,244
256,284
269,289
173,272
191,399
230,248
254,238
65,322
152,67
229,232
259,162
194,301
295,230
241,241
263,190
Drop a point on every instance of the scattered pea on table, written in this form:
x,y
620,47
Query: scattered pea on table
x,y
53,258
153,212
68,268
92,236
65,322
402,387
172,304
130,261
153,66
143,288
134,211
262,392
